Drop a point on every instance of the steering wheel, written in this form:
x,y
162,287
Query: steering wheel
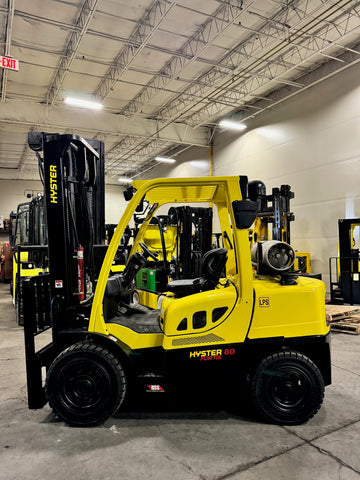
x,y
147,251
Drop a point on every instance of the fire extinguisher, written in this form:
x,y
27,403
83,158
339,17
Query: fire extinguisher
x,y
80,264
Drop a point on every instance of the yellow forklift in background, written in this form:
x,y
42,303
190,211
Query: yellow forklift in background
x,y
262,332
180,239
29,244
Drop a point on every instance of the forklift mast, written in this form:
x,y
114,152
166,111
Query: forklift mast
x,y
29,224
12,228
73,171
37,221
194,238
274,209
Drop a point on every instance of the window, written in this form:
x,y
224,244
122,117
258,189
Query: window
x,y
218,313
199,319
183,324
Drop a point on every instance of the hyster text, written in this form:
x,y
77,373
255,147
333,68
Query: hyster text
x,y
53,184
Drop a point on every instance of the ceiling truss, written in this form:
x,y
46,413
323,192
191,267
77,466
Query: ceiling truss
x,y
166,71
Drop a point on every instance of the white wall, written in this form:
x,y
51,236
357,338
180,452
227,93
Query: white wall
x,y
313,144
13,192
115,203
191,163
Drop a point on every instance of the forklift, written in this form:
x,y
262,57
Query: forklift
x,y
228,328
29,245
344,269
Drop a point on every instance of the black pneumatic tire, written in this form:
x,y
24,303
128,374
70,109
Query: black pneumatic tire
x,y
288,388
85,384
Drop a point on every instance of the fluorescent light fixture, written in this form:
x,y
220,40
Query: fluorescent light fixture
x,y
165,160
125,180
79,102
232,125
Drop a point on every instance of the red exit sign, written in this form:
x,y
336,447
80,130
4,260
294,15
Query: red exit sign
x,y
9,63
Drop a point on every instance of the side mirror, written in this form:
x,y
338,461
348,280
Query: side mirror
x,y
35,141
244,212
128,193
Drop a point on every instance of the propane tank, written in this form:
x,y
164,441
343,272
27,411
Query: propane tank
x,y
80,277
272,256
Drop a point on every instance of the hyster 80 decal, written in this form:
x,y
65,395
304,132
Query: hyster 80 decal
x,y
53,184
217,354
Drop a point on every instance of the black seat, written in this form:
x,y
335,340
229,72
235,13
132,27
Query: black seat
x,y
211,266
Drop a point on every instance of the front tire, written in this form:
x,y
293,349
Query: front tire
x,y
85,384
287,388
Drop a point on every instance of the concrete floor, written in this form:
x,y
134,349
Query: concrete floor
x,y
173,442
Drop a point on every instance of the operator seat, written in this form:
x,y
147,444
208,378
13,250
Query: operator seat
x,y
211,266
137,317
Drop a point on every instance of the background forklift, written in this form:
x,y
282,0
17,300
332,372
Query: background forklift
x,y
223,329
179,239
344,269
29,245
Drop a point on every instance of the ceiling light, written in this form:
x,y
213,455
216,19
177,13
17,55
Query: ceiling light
x,y
232,125
79,102
165,160
125,180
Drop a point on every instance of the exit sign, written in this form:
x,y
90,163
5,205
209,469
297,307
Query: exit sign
x,y
9,63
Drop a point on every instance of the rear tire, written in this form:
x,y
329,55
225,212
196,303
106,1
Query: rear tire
x,y
85,384
287,388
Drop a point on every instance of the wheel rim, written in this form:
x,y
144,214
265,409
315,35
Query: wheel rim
x,y
85,386
288,388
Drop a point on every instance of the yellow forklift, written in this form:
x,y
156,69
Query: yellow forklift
x,y
29,245
265,333
180,239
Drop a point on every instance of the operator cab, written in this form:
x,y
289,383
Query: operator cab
x,y
176,251
119,309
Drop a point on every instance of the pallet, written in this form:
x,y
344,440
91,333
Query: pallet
x,y
334,313
349,325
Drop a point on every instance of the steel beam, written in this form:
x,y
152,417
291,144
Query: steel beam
x,y
253,73
61,118
71,49
145,29
261,79
221,19
350,58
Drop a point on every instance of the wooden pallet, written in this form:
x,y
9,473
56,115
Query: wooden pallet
x,y
349,325
335,313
